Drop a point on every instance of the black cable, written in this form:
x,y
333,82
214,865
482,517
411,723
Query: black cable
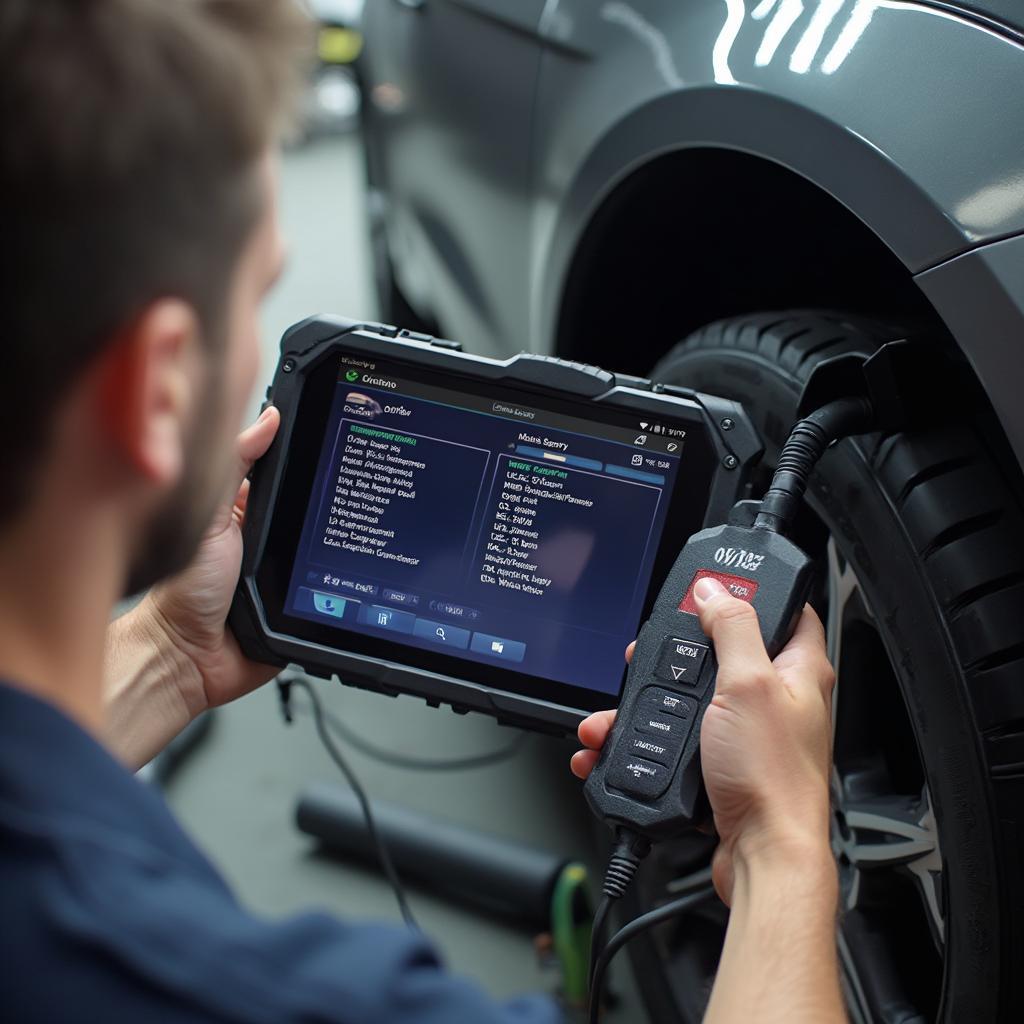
x,y
807,442
441,764
284,688
597,932
631,930
629,850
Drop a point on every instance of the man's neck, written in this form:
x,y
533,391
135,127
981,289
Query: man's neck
x,y
58,583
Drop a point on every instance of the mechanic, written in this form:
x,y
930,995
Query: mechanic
x,y
139,237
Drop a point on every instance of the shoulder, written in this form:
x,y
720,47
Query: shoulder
x,y
151,935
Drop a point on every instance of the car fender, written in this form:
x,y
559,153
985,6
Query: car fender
x,y
907,114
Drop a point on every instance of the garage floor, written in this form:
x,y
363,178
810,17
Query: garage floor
x,y
237,793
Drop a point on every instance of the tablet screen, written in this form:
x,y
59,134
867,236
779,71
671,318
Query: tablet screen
x,y
478,524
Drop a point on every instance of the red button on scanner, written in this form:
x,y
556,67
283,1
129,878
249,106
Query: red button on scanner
x,y
739,587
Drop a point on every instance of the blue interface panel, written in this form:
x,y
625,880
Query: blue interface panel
x,y
490,530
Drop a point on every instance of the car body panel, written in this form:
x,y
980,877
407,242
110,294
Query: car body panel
x,y
980,296
452,95
915,125
907,113
1009,13
893,121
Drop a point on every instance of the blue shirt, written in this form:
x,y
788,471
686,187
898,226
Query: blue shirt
x,y
108,912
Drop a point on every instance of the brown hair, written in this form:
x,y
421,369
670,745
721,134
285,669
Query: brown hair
x,y
130,131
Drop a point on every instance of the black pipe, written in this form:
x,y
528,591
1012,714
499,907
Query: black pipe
x,y
482,871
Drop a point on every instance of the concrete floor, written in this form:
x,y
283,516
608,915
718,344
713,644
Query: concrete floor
x,y
236,795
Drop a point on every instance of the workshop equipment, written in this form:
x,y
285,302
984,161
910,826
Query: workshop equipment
x,y
534,888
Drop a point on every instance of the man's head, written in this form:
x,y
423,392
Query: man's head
x,y
138,236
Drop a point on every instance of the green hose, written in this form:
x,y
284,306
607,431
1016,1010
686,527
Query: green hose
x,y
571,919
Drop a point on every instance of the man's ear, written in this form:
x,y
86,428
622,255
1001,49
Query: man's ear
x,y
148,381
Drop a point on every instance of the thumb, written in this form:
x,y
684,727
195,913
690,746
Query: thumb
x,y
254,441
732,626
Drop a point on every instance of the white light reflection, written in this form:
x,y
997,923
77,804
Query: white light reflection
x,y
807,49
648,34
993,207
735,12
787,13
860,18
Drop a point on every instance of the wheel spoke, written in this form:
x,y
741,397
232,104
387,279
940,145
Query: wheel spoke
x,y
894,832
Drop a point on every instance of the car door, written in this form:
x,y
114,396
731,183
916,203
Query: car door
x,y
450,87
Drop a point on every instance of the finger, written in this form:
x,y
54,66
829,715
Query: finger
x,y
582,763
254,442
732,626
239,507
808,639
629,651
593,731
807,650
242,499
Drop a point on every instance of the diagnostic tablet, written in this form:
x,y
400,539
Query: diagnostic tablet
x,y
484,533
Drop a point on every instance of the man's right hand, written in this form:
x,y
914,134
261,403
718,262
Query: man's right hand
x,y
765,739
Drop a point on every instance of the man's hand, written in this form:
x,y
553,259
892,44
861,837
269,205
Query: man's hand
x,y
765,738
172,656
192,607
765,753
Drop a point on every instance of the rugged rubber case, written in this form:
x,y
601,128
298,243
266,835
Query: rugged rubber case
x,y
303,347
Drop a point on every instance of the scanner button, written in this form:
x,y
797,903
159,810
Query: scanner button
x,y
640,777
655,700
664,751
738,586
668,727
680,661
441,633
386,618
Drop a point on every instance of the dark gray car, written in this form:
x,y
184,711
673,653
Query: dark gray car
x,y
722,194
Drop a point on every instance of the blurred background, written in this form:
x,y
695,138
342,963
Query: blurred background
x,y
237,790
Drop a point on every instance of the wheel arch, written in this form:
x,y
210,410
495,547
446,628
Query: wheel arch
x,y
700,233
645,246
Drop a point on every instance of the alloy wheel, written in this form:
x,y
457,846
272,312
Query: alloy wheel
x,y
891,934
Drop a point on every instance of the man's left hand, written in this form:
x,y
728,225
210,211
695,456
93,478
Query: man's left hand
x,y
192,608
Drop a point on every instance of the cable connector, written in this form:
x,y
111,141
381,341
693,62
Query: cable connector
x,y
629,850
800,454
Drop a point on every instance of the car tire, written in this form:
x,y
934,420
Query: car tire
x,y
924,530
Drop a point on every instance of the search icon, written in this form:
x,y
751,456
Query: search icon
x,y
440,632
